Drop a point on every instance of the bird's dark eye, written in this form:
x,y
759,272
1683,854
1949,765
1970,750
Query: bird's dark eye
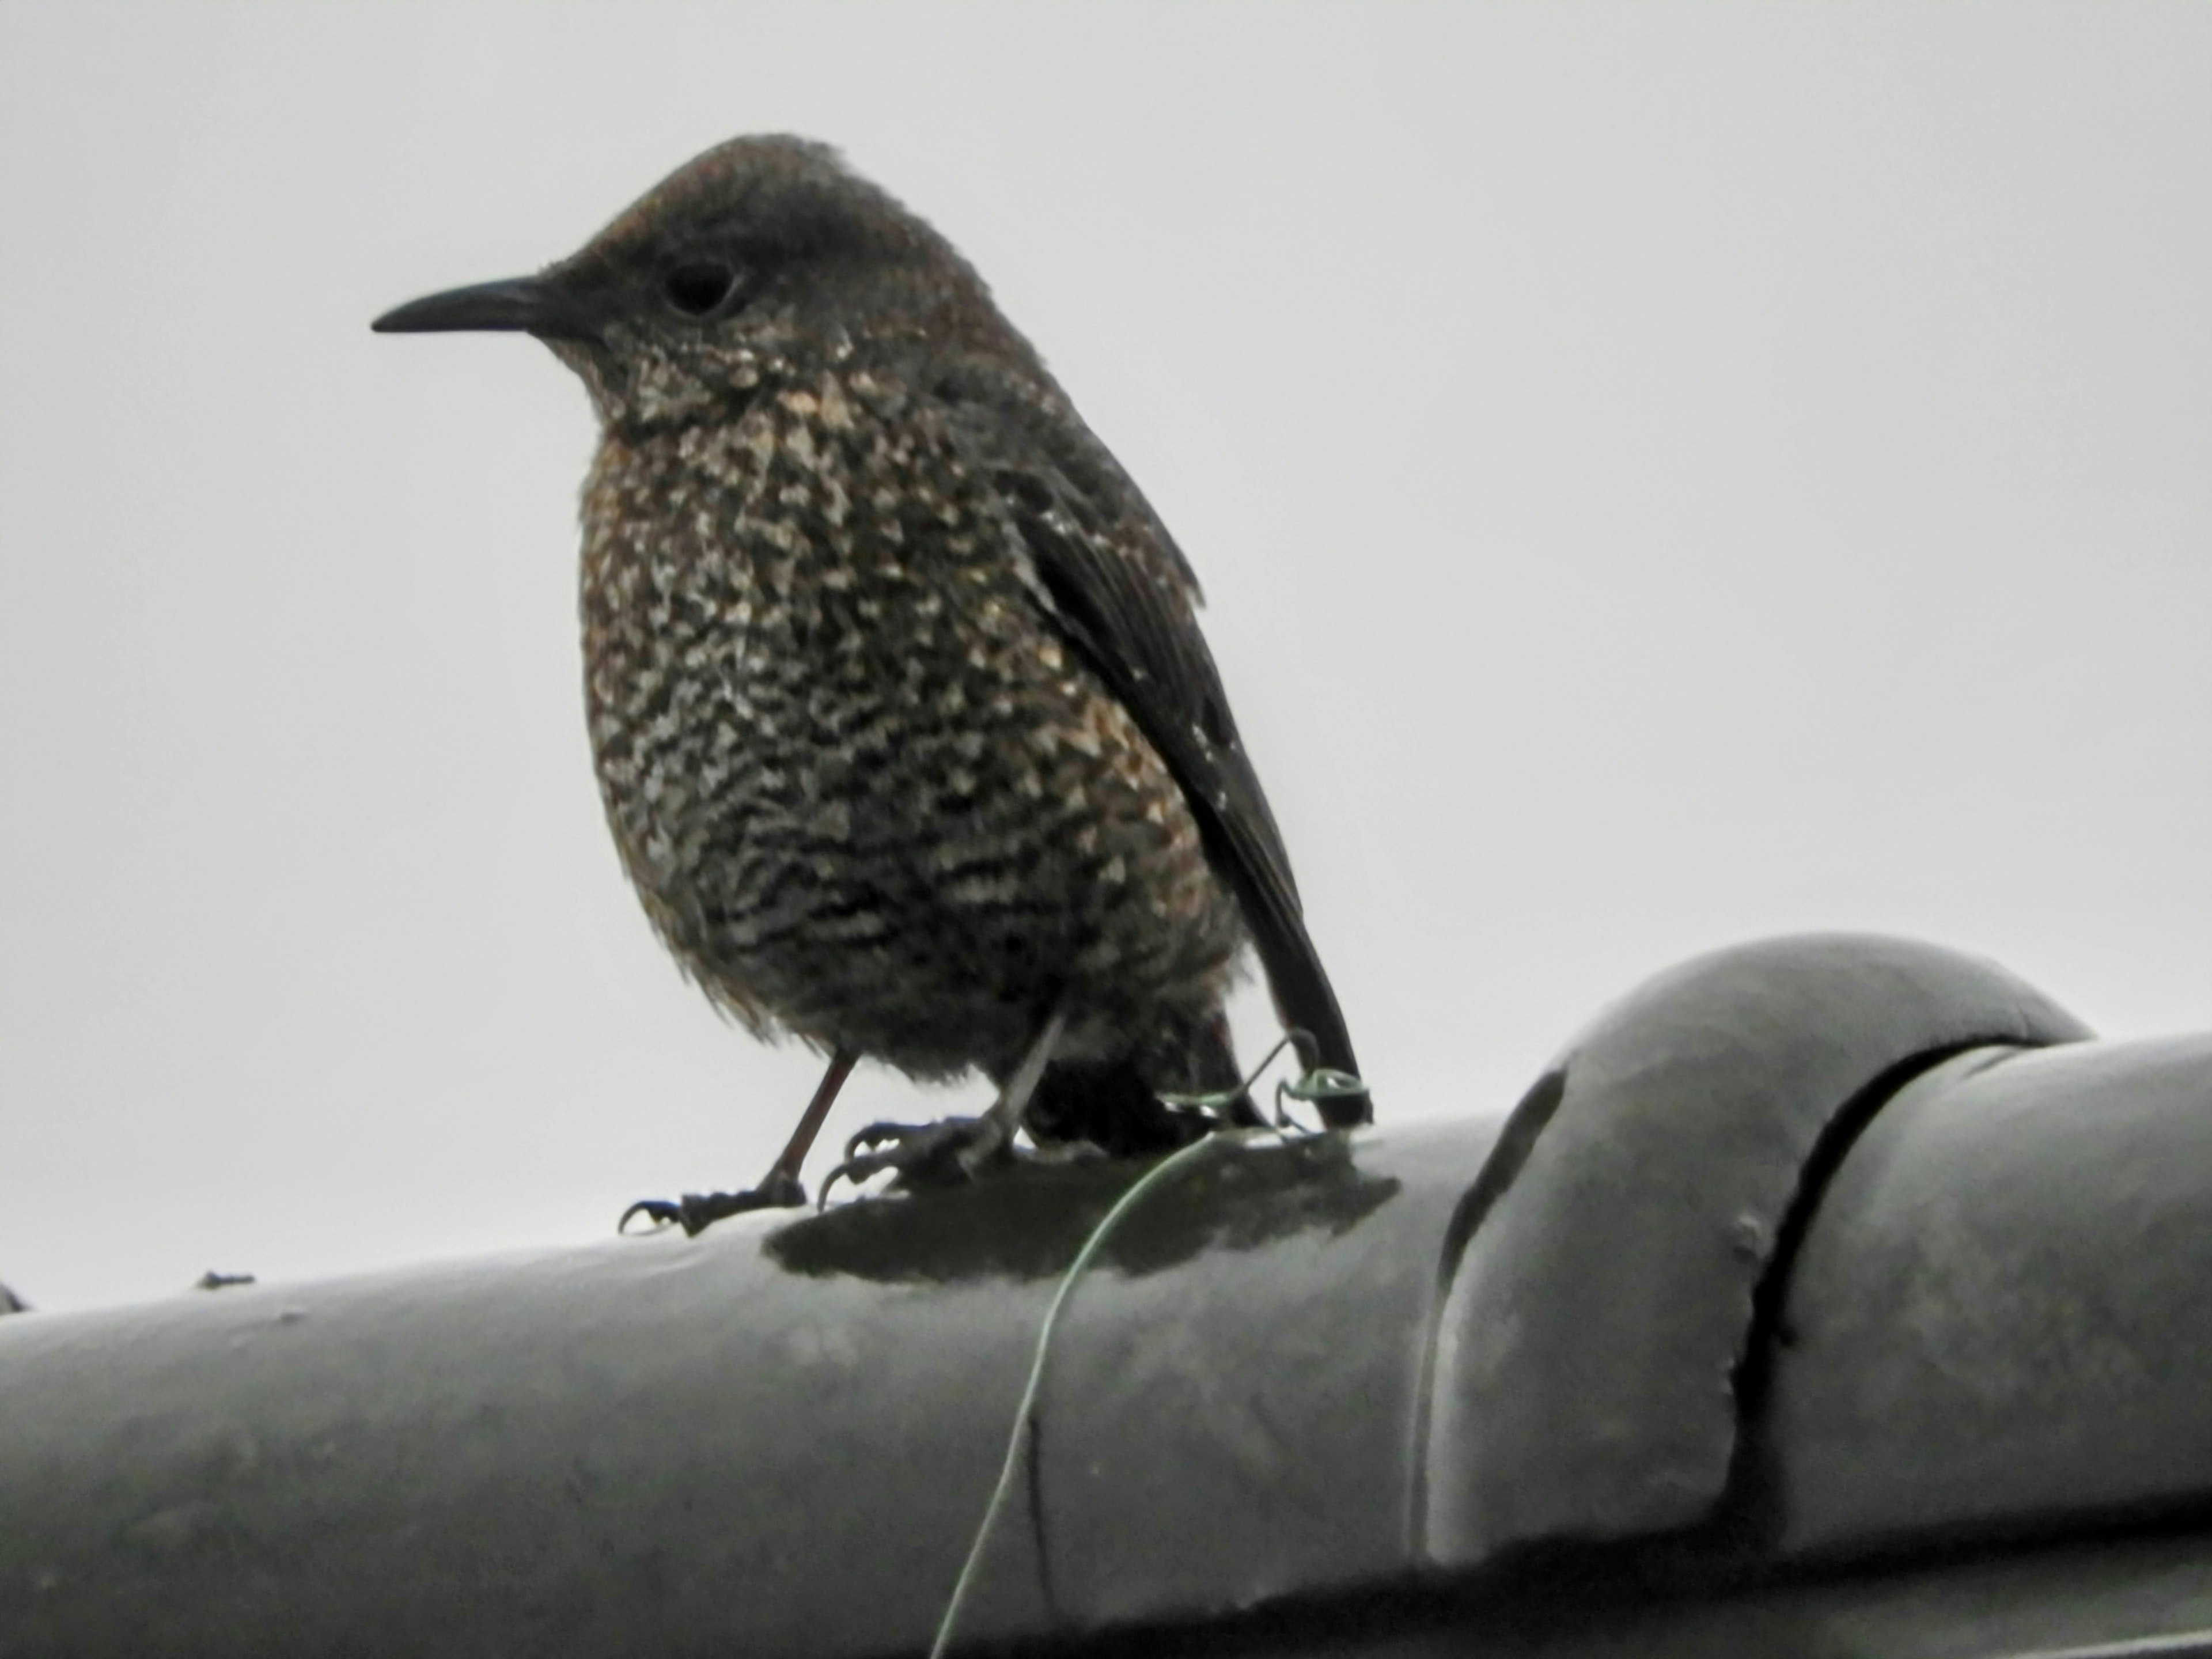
x,y
699,287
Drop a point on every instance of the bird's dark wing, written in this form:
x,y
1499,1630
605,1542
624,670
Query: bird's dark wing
x,y
1116,585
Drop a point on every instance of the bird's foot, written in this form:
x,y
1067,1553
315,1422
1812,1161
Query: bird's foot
x,y
946,1153
696,1212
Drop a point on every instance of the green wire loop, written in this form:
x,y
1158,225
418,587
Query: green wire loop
x,y
1322,1082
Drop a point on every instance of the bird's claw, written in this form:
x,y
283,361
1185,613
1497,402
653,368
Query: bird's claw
x,y
946,1153
658,1211
696,1212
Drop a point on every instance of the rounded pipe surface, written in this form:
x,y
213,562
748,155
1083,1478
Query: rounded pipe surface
x,y
1999,1316
1586,1352
777,1437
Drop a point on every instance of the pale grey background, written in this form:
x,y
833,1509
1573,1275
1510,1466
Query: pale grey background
x,y
1663,476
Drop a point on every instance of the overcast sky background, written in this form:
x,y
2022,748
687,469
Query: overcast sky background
x,y
1662,476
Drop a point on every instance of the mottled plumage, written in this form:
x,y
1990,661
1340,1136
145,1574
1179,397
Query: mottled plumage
x,y
903,722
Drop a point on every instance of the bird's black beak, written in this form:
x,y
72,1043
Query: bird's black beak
x,y
524,304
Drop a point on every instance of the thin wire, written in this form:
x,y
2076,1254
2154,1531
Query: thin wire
x,y
1221,1099
1023,1413
1319,1084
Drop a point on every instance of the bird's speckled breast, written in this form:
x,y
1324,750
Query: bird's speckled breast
x,y
863,789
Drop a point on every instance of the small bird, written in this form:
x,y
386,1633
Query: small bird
x,y
900,713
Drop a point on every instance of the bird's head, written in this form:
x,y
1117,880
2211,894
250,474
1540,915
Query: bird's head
x,y
764,259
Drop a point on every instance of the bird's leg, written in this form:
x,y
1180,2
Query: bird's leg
x,y
953,1149
780,1189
